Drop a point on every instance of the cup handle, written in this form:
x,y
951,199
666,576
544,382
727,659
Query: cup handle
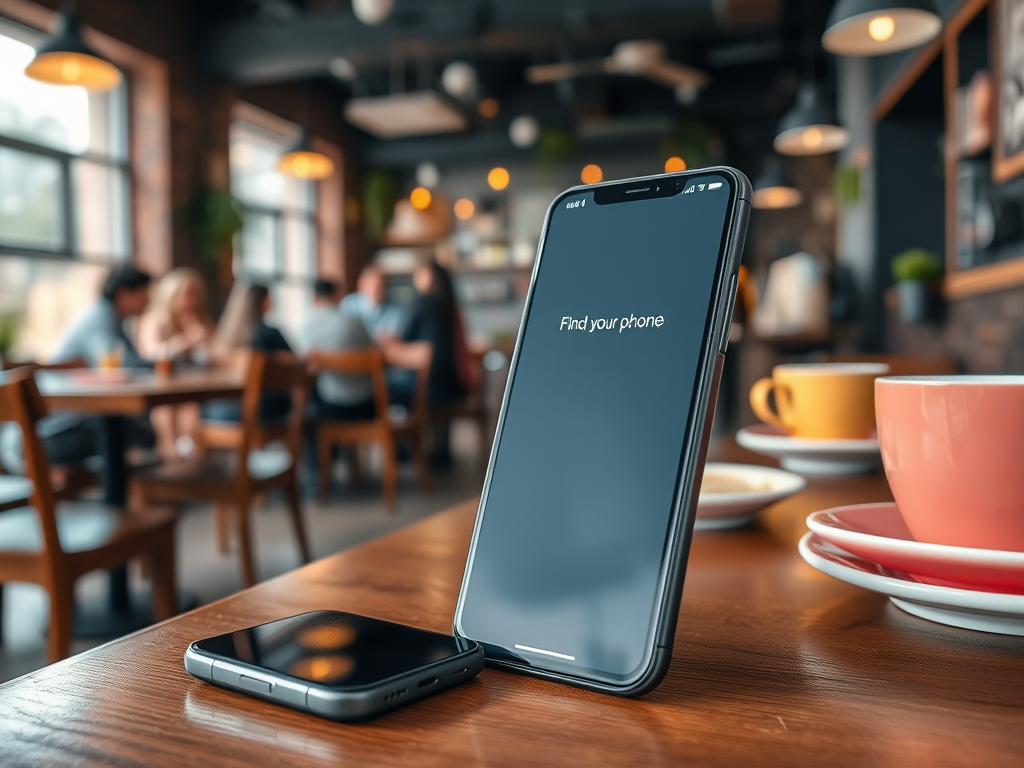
x,y
759,402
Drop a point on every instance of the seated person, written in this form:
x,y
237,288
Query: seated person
x,y
243,327
434,317
370,304
327,329
176,327
96,334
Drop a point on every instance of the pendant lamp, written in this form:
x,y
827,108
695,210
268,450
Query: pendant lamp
x,y
64,58
304,162
773,190
810,127
876,27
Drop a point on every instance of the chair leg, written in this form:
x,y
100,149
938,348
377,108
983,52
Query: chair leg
x,y
357,471
62,617
389,474
1,615
222,522
323,467
245,541
422,467
165,593
295,508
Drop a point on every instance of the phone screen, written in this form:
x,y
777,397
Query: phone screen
x,y
334,649
573,527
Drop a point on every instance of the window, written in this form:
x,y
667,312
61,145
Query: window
x,y
64,177
278,243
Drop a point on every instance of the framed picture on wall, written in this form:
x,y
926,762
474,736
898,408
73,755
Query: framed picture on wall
x,y
1008,62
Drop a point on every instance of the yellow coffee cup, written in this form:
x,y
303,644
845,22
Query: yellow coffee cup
x,y
833,401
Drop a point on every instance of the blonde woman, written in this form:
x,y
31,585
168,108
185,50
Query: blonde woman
x,y
176,327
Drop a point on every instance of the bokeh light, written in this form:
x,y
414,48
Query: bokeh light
x,y
464,208
420,198
674,164
591,174
498,178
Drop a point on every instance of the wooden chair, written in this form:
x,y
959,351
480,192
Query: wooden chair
x,y
54,544
901,365
266,457
473,407
387,427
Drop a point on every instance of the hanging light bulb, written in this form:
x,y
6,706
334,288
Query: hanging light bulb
x,y
64,58
875,27
809,128
304,162
773,190
372,12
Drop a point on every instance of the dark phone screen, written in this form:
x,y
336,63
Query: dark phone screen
x,y
338,650
566,565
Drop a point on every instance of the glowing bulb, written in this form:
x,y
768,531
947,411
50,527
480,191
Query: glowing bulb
x,y
813,137
674,164
71,70
420,198
498,178
301,166
591,174
464,208
881,28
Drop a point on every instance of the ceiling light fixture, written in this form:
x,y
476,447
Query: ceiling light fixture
x,y
524,131
591,174
876,27
64,58
420,198
372,12
498,178
675,164
773,190
810,127
459,79
464,208
305,163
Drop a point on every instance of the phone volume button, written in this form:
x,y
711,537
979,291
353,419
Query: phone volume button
x,y
252,684
729,305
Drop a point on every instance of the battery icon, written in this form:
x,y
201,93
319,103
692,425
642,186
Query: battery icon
x,y
714,185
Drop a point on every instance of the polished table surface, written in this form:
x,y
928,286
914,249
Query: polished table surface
x,y
127,392
774,663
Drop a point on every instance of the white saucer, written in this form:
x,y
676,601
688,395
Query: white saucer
x,y
757,488
811,456
877,533
965,608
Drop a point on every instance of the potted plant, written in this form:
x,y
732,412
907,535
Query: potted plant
x,y
8,335
914,271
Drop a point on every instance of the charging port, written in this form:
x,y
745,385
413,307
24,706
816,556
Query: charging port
x,y
427,682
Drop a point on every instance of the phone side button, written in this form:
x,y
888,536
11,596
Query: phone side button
x,y
290,693
730,304
252,684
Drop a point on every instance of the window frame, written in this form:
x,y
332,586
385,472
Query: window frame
x,y
67,203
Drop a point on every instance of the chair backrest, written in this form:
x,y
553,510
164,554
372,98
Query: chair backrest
x,y
901,365
356,362
21,402
274,372
415,356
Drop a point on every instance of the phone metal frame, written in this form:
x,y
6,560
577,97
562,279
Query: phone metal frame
x,y
658,652
345,705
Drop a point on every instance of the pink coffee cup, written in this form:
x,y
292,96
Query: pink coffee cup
x,y
953,451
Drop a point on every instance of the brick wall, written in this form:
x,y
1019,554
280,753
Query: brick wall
x,y
985,333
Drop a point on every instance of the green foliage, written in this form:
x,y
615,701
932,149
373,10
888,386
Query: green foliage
x,y
213,217
847,185
380,193
916,264
8,332
554,147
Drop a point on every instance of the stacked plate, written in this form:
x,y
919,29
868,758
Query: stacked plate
x,y
809,456
731,494
870,546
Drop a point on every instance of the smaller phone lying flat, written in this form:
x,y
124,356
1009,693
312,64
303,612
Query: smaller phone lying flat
x,y
341,666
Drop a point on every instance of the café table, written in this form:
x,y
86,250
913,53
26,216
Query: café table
x,y
114,396
774,663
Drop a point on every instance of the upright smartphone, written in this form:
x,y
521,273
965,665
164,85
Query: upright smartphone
x,y
338,665
576,565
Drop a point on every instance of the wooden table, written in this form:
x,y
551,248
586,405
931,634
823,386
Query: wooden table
x,y
774,663
113,396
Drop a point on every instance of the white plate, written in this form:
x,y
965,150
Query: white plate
x,y
811,456
965,608
757,488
